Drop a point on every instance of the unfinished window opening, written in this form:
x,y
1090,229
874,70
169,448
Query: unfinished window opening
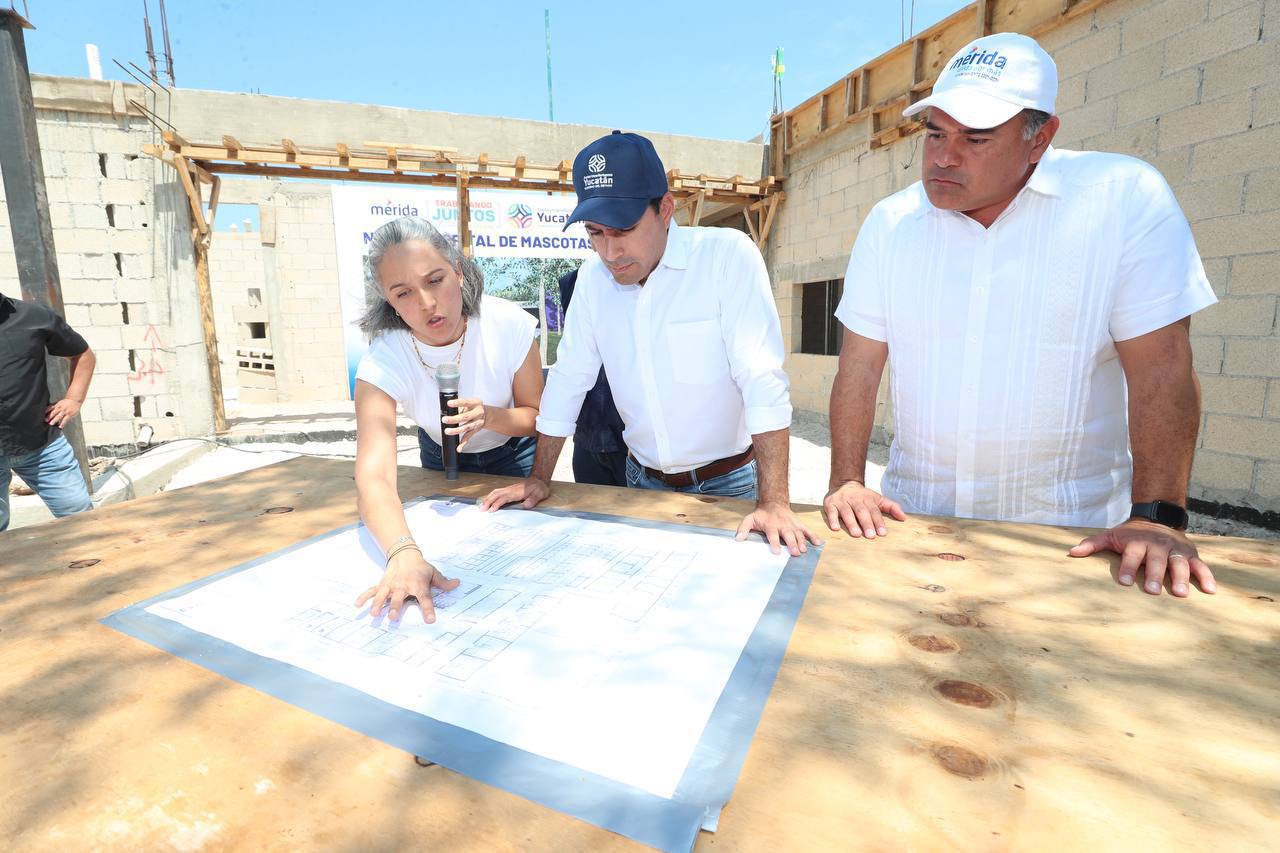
x,y
137,407
111,215
820,331
120,266
102,164
124,306
255,297
257,331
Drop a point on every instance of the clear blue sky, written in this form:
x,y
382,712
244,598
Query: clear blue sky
x,y
698,68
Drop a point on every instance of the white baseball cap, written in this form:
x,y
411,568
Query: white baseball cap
x,y
992,79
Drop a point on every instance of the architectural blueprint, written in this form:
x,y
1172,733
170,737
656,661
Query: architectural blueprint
x,y
596,644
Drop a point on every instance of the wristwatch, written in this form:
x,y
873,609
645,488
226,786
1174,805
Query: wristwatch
x,y
1161,512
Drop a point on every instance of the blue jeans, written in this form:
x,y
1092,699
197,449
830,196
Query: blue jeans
x,y
738,483
513,459
52,473
598,467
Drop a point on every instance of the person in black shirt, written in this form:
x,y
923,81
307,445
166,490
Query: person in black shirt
x,y
599,453
31,439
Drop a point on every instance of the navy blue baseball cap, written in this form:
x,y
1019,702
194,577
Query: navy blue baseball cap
x,y
615,178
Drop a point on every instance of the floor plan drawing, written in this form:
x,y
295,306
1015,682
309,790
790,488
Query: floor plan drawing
x,y
593,643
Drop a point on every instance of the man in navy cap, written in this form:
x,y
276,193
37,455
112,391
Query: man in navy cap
x,y
684,323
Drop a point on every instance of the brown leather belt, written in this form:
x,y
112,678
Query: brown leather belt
x,y
706,472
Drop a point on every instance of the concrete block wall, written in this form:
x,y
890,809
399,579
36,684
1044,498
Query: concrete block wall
x,y
235,267
1193,86
107,202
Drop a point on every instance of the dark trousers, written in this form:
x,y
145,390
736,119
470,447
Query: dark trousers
x,y
599,468
513,459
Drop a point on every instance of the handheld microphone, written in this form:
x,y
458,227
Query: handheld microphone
x,y
447,380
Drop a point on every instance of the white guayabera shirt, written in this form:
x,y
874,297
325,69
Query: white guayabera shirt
x,y
693,358
1008,395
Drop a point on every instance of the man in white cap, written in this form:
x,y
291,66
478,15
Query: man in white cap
x,y
1037,306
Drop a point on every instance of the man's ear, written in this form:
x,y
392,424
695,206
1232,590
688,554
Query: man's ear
x,y
1043,137
667,208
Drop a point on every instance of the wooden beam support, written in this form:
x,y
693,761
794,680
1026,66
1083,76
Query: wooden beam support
x,y
464,214
231,142
344,153
772,207
213,205
751,226
290,149
193,194
204,295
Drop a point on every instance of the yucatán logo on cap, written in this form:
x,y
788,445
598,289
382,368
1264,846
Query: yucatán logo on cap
x,y
981,63
599,178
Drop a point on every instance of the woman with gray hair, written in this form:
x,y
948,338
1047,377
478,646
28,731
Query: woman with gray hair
x,y
427,307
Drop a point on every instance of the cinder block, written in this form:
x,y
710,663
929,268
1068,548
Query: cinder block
x,y
1227,33
110,385
88,291
1088,52
1223,471
1214,197
68,263
79,164
61,216
1257,357
106,314
1137,140
1266,105
109,432
1218,271
1233,395
1262,191
123,192
1243,234
1217,8
75,315
1273,399
135,241
1253,150
83,190
111,361
115,408
102,337
98,266
134,290
1159,21
1254,274
1256,437
81,241
1266,483
1243,69
1207,353
1126,72
1206,120
1091,119
1157,97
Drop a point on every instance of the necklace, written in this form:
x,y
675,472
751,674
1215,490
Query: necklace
x,y
457,358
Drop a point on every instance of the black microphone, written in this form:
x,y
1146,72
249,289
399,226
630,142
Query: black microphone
x,y
447,380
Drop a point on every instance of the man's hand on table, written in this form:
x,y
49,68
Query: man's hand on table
x,y
859,510
780,526
1157,548
530,492
407,576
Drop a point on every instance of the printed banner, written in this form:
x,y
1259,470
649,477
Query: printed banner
x,y
516,240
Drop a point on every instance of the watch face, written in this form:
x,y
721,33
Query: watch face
x,y
1170,514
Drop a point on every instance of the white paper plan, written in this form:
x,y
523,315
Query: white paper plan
x,y
599,645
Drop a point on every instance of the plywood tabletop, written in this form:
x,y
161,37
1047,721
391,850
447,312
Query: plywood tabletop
x,y
955,684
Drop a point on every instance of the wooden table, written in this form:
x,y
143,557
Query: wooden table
x,y
955,685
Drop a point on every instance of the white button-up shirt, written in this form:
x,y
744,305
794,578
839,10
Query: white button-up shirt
x,y
1008,395
694,356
